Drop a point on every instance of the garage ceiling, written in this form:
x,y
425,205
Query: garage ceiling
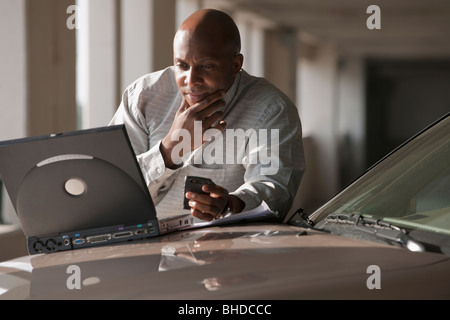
x,y
409,28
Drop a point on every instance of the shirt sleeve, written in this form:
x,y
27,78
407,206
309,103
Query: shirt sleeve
x,y
275,177
158,177
129,114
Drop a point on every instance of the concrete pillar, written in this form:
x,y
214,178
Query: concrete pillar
x,y
163,28
147,31
13,84
136,40
50,67
351,126
280,60
317,83
252,29
97,70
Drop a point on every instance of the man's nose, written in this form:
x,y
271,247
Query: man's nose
x,y
193,77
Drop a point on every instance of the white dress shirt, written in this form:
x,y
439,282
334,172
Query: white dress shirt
x,y
261,161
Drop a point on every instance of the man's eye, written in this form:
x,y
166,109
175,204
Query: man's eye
x,y
183,66
207,67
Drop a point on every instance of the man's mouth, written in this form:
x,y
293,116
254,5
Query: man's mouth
x,y
195,97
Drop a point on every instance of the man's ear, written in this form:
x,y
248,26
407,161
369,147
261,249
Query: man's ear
x,y
238,61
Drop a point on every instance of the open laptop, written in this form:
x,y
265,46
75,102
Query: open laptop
x,y
80,189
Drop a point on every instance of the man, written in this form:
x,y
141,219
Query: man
x,y
206,117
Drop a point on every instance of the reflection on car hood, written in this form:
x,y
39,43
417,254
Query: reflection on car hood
x,y
256,261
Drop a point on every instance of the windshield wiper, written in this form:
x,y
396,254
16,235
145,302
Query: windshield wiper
x,y
379,228
300,219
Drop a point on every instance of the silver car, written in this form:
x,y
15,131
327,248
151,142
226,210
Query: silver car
x,y
385,236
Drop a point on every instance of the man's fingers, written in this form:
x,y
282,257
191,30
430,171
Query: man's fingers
x,y
212,119
215,191
212,100
221,126
184,106
205,208
201,215
208,206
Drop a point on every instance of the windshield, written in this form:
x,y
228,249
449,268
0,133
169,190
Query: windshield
x,y
410,187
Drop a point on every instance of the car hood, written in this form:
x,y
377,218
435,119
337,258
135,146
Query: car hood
x,y
258,261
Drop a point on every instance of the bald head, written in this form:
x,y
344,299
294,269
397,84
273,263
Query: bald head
x,y
206,54
212,26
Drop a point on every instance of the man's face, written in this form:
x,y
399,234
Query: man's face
x,y
202,67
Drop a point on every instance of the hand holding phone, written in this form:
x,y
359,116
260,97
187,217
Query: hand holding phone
x,y
194,184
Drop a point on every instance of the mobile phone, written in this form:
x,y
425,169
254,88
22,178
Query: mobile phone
x,y
194,184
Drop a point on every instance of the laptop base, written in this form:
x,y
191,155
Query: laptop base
x,y
91,238
109,235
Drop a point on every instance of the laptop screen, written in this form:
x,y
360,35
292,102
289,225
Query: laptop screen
x,y
74,181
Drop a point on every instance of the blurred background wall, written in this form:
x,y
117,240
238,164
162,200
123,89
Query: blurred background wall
x,y
364,80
